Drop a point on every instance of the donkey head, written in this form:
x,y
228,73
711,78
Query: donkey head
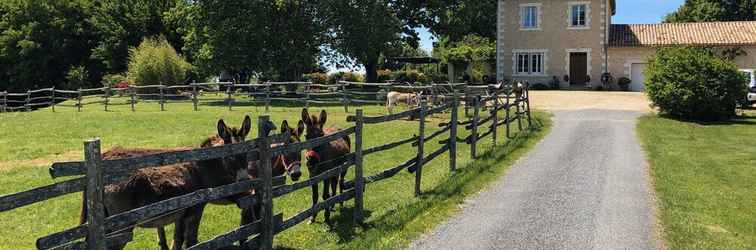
x,y
292,162
236,164
314,126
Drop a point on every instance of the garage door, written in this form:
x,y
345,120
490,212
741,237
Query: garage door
x,y
637,77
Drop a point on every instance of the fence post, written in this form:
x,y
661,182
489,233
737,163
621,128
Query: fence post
x,y
527,103
94,192
194,96
420,148
359,181
345,97
5,102
52,99
509,110
28,101
107,98
267,97
266,214
495,114
307,94
78,100
453,133
229,89
518,102
474,134
132,93
162,97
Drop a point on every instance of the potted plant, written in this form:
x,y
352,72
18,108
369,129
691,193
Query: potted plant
x,y
624,83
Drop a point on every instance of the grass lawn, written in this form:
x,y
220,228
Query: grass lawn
x,y
29,142
705,179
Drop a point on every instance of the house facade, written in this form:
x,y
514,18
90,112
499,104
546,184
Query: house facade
x,y
575,42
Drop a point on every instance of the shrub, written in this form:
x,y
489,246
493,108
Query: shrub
x,y
317,78
156,62
624,83
539,86
114,80
692,83
384,75
345,76
411,76
76,78
439,78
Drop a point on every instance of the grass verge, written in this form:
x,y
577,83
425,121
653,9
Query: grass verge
x,y
394,216
705,177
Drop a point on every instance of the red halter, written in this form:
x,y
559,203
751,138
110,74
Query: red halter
x,y
312,154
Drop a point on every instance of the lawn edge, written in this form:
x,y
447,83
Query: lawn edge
x,y
657,228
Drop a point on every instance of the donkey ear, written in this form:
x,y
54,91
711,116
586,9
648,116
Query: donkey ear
x,y
323,117
305,116
300,128
246,127
223,131
284,126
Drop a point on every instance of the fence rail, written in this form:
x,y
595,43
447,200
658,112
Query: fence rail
x,y
95,173
341,93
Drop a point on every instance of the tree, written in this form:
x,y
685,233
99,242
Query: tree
x,y
471,50
362,30
456,19
40,41
122,24
714,10
280,39
694,83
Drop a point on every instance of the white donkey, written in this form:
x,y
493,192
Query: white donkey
x,y
394,98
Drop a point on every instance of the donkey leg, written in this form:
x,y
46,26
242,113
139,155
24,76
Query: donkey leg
x,y
192,224
327,195
178,234
314,201
334,187
341,185
122,245
162,242
248,216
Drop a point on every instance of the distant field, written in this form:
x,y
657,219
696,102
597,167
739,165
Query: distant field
x,y
29,142
705,179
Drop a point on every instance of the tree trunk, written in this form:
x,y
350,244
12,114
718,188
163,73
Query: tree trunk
x,y
371,70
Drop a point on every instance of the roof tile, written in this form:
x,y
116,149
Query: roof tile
x,y
708,33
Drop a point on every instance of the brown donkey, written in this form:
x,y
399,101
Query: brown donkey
x,y
324,154
289,164
150,185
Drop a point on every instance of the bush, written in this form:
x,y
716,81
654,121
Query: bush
x,y
411,76
624,83
317,78
384,75
114,80
345,76
692,83
76,78
155,62
539,86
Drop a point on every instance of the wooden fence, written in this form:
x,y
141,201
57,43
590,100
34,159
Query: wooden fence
x,y
94,173
228,93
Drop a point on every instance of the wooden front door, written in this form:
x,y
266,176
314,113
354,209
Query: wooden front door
x,y
578,68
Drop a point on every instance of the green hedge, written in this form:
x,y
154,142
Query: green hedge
x,y
693,83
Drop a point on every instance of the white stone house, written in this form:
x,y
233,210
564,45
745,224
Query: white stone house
x,y
576,41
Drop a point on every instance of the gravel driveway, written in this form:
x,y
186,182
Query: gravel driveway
x,y
585,186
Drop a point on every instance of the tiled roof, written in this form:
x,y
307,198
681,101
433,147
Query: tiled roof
x,y
711,33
